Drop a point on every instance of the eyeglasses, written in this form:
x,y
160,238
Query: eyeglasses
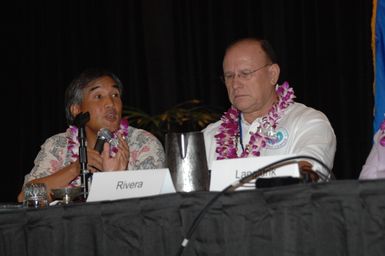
x,y
243,74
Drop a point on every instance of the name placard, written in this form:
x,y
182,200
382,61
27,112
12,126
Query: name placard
x,y
225,172
129,184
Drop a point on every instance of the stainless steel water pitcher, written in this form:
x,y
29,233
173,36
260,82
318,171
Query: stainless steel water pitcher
x,y
186,159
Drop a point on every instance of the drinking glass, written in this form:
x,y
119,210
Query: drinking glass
x,y
35,195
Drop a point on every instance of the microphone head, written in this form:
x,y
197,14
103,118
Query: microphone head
x,y
105,134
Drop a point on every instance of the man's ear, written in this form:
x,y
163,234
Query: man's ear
x,y
75,110
274,71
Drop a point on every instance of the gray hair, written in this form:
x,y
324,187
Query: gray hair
x,y
74,92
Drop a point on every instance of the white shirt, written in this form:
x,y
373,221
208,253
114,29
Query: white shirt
x,y
301,131
374,167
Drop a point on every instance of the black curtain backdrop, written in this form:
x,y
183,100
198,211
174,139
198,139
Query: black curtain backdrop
x,y
169,51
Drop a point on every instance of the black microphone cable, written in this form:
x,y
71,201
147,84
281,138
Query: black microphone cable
x,y
238,183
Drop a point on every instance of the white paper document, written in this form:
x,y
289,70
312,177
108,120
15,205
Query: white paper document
x,y
129,184
227,171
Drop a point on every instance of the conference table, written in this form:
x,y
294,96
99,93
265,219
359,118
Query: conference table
x,y
342,217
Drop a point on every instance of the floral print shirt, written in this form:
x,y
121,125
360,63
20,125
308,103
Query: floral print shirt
x,y
146,152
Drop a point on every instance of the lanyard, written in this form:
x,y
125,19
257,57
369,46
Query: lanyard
x,y
240,131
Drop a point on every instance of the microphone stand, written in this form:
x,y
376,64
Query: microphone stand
x,y
83,161
80,120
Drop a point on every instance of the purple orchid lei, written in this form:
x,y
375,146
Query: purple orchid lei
x,y
227,138
73,143
382,133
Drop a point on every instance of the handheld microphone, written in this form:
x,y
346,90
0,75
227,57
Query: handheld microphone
x,y
104,135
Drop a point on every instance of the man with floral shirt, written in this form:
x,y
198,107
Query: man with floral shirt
x,y
374,167
264,120
99,93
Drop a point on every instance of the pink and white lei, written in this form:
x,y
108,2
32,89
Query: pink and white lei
x,y
73,142
227,138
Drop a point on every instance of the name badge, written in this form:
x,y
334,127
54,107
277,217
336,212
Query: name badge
x,y
227,171
129,184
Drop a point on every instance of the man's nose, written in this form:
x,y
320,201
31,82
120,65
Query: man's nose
x,y
236,81
109,101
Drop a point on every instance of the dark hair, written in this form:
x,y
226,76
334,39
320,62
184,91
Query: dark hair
x,y
265,45
74,92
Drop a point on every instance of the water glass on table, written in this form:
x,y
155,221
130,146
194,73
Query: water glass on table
x,y
35,195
